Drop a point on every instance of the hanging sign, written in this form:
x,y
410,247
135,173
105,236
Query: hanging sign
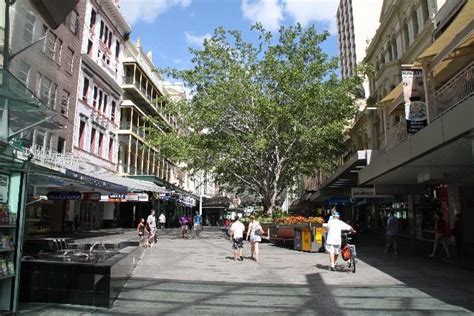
x,y
91,196
414,98
130,197
4,185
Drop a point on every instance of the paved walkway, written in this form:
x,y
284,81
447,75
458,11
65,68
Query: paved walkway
x,y
198,276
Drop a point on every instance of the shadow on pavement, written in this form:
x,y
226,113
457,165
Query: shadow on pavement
x,y
444,281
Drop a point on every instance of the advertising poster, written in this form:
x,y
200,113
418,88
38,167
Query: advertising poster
x,y
414,98
4,183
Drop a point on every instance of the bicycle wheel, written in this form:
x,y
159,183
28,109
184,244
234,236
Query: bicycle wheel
x,y
353,264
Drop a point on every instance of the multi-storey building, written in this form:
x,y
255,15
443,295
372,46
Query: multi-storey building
x,y
144,92
47,63
99,93
431,170
356,25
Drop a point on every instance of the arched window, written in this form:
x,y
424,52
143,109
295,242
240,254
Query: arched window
x,y
394,49
424,10
414,19
406,36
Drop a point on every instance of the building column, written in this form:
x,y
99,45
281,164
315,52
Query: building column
x,y
129,153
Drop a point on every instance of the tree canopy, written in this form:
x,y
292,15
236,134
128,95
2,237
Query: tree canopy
x,y
260,115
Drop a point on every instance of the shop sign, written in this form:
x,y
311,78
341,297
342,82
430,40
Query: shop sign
x,y
64,195
130,197
362,192
4,185
95,183
414,98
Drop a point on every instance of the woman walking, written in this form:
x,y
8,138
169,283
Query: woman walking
x,y
440,235
254,231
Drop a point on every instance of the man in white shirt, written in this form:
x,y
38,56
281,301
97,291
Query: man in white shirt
x,y
151,221
162,221
237,238
334,227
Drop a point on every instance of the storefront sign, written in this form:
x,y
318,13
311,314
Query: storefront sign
x,y
130,197
362,192
414,97
64,195
4,185
96,183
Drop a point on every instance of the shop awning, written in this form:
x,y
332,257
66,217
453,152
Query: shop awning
x,y
21,110
463,21
394,94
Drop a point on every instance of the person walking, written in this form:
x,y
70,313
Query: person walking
x,y
237,238
162,221
440,235
141,233
197,224
391,233
183,221
254,231
458,233
334,227
151,223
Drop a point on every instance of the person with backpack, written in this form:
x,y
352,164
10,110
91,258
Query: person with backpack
x,y
440,235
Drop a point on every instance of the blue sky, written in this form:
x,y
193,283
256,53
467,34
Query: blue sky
x,y
169,27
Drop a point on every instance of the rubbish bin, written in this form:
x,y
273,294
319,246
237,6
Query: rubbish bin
x,y
297,241
306,239
312,238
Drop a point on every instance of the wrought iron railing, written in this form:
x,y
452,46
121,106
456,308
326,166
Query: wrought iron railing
x,y
455,91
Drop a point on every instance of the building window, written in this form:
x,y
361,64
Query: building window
x,y
100,100
110,40
104,109
39,138
29,30
106,34
414,18
94,100
89,48
65,103
82,132
69,60
406,36
92,143
112,112
61,145
50,45
92,20
74,22
117,49
52,99
424,10
111,147
101,29
24,73
101,141
45,89
85,89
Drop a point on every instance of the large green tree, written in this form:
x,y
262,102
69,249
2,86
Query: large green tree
x,y
260,115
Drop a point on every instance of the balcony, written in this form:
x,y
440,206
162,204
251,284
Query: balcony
x,y
454,92
396,134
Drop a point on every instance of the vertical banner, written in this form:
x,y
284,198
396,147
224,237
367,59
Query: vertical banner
x,y
414,97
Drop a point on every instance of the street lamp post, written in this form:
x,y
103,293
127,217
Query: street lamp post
x,y
200,202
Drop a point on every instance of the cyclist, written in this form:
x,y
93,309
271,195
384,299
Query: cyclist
x,y
334,227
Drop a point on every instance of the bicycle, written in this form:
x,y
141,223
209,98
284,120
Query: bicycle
x,y
348,250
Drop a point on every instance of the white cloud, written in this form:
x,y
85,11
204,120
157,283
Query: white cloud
x,y
148,10
306,11
267,12
196,40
